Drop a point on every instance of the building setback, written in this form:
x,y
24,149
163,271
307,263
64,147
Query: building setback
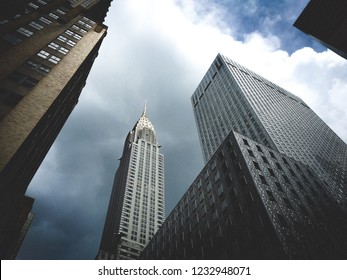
x,y
274,182
136,208
326,21
47,49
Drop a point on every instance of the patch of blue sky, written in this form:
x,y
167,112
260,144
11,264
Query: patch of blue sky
x,y
268,17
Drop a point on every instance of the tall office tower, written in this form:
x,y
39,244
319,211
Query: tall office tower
x,y
252,202
273,185
233,98
47,48
326,21
136,207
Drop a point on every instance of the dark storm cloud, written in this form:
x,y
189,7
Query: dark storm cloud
x,y
159,52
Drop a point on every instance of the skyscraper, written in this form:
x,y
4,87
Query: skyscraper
x,y
326,21
233,98
136,207
251,202
47,48
273,185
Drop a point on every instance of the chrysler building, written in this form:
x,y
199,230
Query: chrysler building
x,y
136,207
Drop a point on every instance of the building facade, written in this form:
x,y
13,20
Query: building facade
x,y
273,186
252,202
326,21
232,98
137,207
47,48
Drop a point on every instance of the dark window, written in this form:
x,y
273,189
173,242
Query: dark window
x,y
262,179
272,155
279,187
285,161
270,195
287,203
24,80
294,193
279,166
265,159
272,173
292,172
297,166
286,179
258,148
256,165
282,220
250,153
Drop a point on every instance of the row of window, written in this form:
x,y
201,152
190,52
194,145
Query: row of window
x,y
42,63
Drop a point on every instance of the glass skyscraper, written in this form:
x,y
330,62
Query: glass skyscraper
x,y
273,186
136,208
233,98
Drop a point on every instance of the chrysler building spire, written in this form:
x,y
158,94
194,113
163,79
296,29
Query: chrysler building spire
x,y
137,206
144,128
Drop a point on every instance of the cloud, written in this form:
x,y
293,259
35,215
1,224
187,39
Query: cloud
x,y
250,7
158,50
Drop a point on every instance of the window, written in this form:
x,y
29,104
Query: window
x,y
53,46
285,161
73,34
86,25
279,187
53,16
58,48
282,220
279,166
54,59
63,50
44,20
24,80
43,54
271,172
43,69
270,195
287,203
13,39
262,179
59,11
256,165
250,153
33,5
286,179
79,29
66,40
272,155
36,25
25,31
265,160
292,172
294,193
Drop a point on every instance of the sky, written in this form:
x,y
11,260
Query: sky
x,y
158,51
